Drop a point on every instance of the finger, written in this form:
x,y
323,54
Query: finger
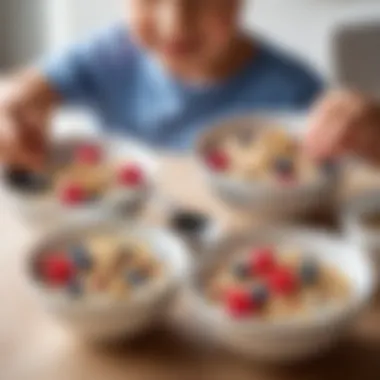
x,y
14,151
365,143
327,134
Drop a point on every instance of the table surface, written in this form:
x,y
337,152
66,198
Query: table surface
x,y
35,347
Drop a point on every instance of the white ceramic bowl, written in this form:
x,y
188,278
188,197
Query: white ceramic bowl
x,y
124,202
290,340
101,318
357,232
257,195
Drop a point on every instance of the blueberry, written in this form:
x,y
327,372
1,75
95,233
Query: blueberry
x,y
309,272
330,168
124,255
136,278
186,222
93,197
81,257
260,294
241,270
245,136
284,165
26,180
75,288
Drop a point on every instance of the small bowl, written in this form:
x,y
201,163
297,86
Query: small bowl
x,y
288,340
101,318
47,208
258,196
358,232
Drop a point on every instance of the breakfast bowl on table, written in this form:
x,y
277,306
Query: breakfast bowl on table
x,y
280,294
107,280
84,176
257,164
361,221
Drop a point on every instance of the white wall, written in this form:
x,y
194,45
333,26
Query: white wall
x,y
23,30
305,26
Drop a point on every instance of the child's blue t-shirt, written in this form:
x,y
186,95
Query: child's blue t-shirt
x,y
131,93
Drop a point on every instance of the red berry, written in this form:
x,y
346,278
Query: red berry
x,y
263,261
73,194
217,161
131,175
287,179
89,154
57,270
239,303
283,281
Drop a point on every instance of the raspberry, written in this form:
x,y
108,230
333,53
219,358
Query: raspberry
x,y
131,175
88,154
287,179
283,281
57,270
217,161
263,261
73,194
239,303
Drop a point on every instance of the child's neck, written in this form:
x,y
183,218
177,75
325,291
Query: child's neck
x,y
235,58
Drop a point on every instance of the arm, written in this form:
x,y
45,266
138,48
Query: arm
x,y
345,122
27,99
26,102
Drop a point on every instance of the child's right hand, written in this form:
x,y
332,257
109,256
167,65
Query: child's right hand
x,y
25,104
344,122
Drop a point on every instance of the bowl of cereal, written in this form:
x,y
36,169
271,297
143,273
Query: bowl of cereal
x,y
280,294
85,176
255,163
107,280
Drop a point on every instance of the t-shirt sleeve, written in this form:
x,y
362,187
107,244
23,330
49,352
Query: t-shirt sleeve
x,y
311,89
77,73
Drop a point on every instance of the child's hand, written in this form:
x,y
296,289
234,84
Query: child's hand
x,y
24,112
344,123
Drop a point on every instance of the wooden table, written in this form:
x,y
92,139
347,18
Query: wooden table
x,y
34,347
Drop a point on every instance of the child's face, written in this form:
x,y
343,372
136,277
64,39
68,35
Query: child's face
x,y
186,35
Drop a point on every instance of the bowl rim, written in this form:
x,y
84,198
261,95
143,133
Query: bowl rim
x,y
258,122
355,208
171,278
355,304
146,157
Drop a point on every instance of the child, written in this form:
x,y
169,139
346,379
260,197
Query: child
x,y
170,71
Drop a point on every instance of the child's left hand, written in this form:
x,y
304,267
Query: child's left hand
x,y
342,123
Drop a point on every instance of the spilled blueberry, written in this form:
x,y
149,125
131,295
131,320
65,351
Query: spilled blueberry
x,y
188,222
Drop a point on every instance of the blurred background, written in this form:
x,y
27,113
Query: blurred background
x,y
340,37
